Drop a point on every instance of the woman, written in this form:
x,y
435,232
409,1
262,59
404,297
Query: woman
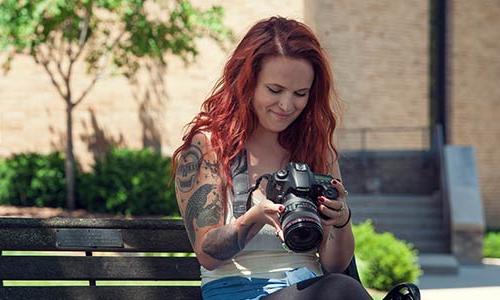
x,y
272,106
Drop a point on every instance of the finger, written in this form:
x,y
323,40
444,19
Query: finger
x,y
332,204
275,208
340,188
327,212
280,235
275,222
335,217
335,206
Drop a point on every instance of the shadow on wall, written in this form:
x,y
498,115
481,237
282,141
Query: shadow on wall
x,y
96,138
151,96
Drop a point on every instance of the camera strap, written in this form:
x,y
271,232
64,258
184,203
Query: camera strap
x,y
241,180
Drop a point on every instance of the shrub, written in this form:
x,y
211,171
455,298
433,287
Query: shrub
x,y
384,261
491,247
130,182
33,179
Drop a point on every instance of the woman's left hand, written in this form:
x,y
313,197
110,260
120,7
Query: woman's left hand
x,y
336,210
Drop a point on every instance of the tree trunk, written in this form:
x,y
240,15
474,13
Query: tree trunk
x,y
70,159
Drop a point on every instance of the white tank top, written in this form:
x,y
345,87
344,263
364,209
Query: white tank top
x,y
263,257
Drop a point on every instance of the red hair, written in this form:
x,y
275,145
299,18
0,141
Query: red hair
x,y
228,114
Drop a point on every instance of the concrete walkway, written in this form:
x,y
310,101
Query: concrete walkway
x,y
471,282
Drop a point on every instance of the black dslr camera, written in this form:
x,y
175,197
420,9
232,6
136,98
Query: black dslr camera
x,y
297,188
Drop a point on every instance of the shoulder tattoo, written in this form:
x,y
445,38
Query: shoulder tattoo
x,y
188,168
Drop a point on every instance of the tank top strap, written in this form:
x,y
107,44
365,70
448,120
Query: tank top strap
x,y
241,183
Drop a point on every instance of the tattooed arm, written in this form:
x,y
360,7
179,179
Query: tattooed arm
x,y
198,189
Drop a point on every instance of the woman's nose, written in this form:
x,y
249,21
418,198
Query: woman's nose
x,y
285,104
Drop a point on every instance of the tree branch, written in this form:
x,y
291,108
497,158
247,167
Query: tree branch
x,y
45,63
56,61
83,36
100,70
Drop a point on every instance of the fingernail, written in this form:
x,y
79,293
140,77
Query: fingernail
x,y
282,208
320,199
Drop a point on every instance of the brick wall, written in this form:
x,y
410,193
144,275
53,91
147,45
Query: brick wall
x,y
379,52
474,92
32,115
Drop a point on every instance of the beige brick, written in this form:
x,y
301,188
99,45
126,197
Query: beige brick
x,y
475,93
379,53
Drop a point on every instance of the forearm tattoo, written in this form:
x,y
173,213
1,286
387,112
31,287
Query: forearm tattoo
x,y
224,242
197,210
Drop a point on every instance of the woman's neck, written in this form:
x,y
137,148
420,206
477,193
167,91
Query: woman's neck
x,y
264,141
264,138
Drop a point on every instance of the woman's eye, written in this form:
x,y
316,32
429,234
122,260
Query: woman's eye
x,y
273,90
301,94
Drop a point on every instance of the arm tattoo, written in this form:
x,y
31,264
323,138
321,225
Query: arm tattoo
x,y
189,166
213,167
224,242
196,210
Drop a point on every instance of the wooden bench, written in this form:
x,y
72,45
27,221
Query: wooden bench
x,y
91,236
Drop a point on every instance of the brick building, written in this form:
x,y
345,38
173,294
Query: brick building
x,y
380,56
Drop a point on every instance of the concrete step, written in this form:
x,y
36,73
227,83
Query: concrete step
x,y
415,219
395,211
398,199
416,234
438,264
400,222
425,247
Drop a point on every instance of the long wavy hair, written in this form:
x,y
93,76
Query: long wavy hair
x,y
228,113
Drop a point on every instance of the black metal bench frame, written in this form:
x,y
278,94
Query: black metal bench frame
x,y
99,235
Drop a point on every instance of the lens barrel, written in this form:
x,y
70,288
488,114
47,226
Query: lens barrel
x,y
301,224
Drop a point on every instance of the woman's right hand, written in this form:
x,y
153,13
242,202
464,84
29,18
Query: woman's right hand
x,y
266,212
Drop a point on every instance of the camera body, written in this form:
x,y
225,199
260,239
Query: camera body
x,y
297,188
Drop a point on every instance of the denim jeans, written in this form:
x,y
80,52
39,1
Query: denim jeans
x,y
251,288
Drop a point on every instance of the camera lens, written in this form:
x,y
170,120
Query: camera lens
x,y
301,224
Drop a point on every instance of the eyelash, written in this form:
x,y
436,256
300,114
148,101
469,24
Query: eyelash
x,y
279,91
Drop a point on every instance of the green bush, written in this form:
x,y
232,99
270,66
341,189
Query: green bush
x,y
383,260
130,182
491,247
33,179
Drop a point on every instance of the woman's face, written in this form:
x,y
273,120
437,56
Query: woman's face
x,y
282,91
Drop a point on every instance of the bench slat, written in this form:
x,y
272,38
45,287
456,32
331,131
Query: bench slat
x,y
63,222
81,293
134,240
98,268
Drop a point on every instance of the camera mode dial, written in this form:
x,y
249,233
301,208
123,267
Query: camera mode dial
x,y
282,174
